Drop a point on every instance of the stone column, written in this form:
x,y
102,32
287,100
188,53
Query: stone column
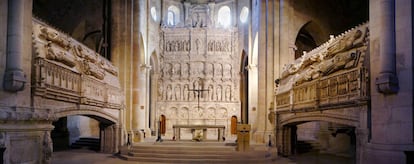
x,y
186,10
211,14
136,71
121,58
18,26
387,81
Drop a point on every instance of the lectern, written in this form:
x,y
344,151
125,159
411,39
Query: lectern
x,y
243,137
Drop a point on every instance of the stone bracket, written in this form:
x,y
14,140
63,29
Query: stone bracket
x,y
387,83
14,80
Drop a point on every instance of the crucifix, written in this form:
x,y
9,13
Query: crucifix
x,y
198,91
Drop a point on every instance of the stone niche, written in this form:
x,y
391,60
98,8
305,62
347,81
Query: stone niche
x,y
198,58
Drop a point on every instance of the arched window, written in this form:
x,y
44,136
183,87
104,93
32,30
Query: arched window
x,y
224,16
244,14
154,13
173,17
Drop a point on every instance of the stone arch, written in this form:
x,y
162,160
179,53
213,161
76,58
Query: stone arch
x,y
288,135
110,131
95,114
300,118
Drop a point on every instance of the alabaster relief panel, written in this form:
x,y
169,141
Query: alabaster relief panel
x,y
333,73
66,70
198,82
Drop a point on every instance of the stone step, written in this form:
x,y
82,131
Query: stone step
x,y
179,148
187,155
180,151
90,143
194,152
233,159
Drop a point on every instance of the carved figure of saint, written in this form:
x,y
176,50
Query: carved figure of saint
x,y
228,93
209,70
177,91
227,70
185,93
169,93
210,93
218,70
184,70
166,70
160,90
47,147
198,44
218,93
177,70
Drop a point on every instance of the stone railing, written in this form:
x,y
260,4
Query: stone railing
x,y
331,76
65,70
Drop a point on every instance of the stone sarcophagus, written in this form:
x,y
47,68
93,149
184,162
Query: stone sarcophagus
x,y
67,74
331,76
199,82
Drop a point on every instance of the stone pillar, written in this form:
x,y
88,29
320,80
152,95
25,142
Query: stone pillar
x,y
387,81
19,21
286,150
117,137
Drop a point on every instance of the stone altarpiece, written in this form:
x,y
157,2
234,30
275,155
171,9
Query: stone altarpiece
x,y
197,55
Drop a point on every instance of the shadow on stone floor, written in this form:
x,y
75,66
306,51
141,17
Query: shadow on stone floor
x,y
317,158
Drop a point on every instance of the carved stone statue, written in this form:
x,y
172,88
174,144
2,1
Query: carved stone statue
x,y
47,147
210,93
218,93
177,91
166,70
227,71
169,92
185,92
340,61
60,56
55,37
348,42
160,90
228,93
218,70
177,70
209,70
